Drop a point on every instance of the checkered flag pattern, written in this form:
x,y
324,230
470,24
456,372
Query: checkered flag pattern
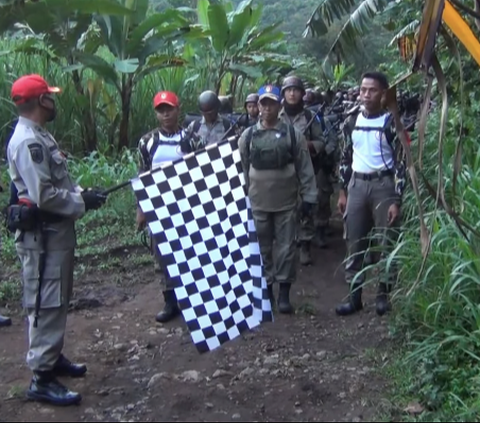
x,y
202,225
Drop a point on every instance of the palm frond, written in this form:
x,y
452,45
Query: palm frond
x,y
325,14
358,24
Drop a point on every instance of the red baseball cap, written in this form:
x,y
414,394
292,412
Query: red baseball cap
x,y
31,86
165,97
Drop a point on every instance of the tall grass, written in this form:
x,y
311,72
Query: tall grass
x,y
439,320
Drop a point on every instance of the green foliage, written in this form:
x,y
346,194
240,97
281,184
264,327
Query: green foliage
x,y
110,65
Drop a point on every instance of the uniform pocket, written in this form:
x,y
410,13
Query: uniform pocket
x,y
59,166
51,289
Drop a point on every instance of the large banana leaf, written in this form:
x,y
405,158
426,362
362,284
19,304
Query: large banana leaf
x,y
220,31
241,20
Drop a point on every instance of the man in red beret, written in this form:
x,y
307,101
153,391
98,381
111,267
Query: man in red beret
x,y
165,144
49,203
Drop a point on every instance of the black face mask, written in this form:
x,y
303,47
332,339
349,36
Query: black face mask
x,y
52,115
293,109
52,112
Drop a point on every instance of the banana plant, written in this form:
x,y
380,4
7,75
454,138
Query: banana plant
x,y
237,44
56,29
139,44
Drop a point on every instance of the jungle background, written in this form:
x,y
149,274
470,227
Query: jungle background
x,y
110,58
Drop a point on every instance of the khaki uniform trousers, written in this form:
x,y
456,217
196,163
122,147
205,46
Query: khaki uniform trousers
x,y
277,229
368,202
46,341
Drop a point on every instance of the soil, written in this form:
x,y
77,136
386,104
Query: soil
x,y
311,366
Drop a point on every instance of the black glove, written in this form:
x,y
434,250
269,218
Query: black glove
x,y
93,198
306,209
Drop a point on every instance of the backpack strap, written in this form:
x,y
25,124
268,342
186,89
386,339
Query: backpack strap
x,y
196,126
227,124
248,139
385,129
308,116
293,141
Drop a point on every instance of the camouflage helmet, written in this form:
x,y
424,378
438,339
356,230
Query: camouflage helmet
x,y
292,82
251,98
208,100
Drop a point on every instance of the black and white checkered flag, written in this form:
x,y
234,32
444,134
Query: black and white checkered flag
x,y
202,224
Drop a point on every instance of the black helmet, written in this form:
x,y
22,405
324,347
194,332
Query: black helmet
x,y
309,96
225,104
208,100
292,82
251,98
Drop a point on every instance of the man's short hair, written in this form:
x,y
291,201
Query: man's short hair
x,y
380,77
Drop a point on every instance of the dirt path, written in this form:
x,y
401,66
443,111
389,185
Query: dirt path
x,y
312,366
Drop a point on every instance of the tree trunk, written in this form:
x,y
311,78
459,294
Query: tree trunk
x,y
89,129
124,122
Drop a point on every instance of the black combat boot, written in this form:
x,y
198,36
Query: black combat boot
x,y
321,237
271,295
284,305
64,367
5,321
353,304
45,388
305,256
171,309
383,303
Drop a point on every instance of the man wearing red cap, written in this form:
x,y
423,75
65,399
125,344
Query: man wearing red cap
x,y
49,202
167,143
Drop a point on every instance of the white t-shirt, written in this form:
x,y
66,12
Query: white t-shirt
x,y
167,148
370,153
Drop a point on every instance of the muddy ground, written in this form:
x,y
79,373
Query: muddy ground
x,y
313,366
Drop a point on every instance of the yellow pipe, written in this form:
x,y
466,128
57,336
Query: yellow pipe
x,y
462,31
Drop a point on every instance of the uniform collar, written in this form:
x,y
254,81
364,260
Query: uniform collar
x,y
279,126
28,122
219,119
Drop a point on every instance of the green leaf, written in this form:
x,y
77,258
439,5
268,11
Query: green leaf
x,y
256,15
240,23
325,14
202,12
73,68
153,21
265,37
98,65
140,8
158,43
112,30
220,30
249,71
356,25
156,63
127,66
